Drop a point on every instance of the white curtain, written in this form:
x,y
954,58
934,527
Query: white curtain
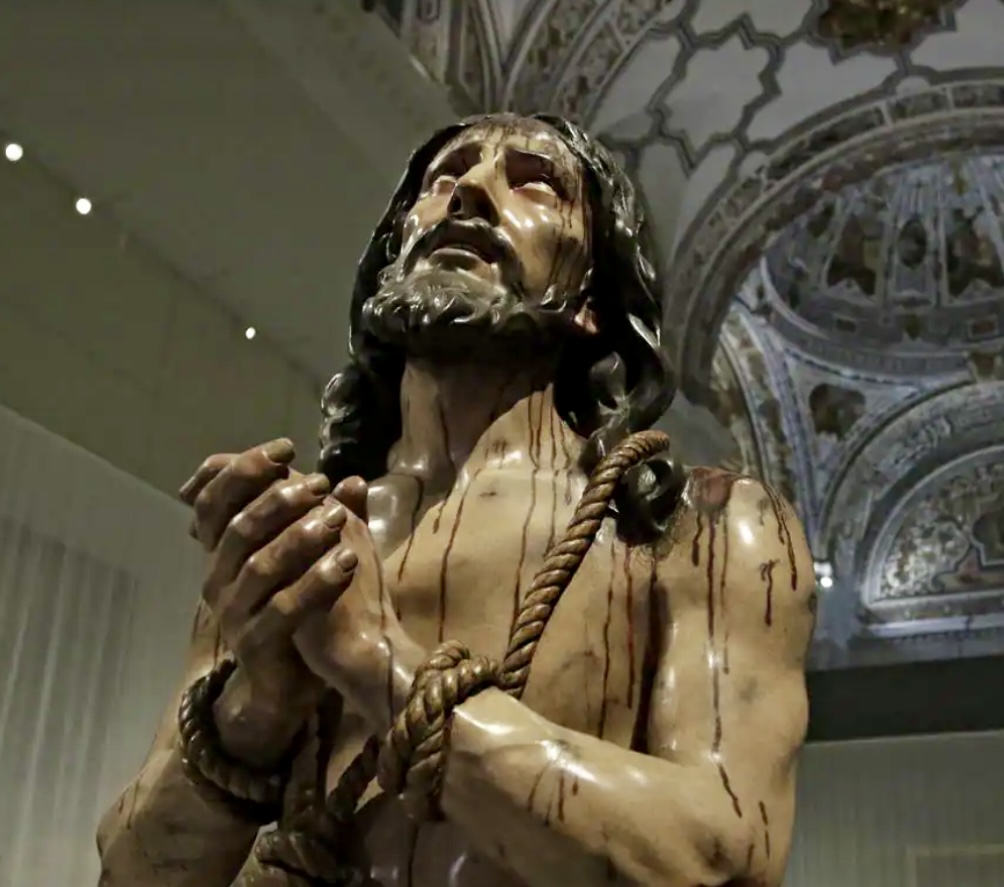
x,y
98,581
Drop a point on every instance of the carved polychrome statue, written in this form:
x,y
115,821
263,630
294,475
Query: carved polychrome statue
x,y
500,638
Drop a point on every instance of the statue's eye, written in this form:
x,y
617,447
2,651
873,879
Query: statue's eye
x,y
541,180
537,173
440,179
446,173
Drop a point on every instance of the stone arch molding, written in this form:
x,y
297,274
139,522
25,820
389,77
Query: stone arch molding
x,y
736,224
910,478
567,54
937,562
459,45
732,114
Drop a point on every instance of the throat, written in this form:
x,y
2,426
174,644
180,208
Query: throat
x,y
461,419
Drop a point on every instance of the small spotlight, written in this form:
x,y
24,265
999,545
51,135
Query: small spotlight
x,y
83,206
250,333
13,152
824,574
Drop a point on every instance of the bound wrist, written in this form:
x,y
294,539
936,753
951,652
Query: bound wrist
x,y
253,728
378,675
253,793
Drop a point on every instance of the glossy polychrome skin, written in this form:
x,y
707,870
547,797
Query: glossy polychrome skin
x,y
657,739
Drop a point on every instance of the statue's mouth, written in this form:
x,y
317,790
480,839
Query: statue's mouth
x,y
463,240
465,250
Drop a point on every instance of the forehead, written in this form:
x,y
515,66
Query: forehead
x,y
532,136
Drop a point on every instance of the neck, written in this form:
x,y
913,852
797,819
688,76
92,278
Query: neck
x,y
463,417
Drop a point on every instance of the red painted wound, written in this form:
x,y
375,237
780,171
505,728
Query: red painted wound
x,y
444,565
524,541
419,496
766,828
650,663
711,492
629,613
784,532
606,639
767,576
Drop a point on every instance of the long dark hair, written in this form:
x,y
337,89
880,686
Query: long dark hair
x,y
611,385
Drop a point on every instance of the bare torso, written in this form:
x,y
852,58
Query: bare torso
x,y
690,652
460,575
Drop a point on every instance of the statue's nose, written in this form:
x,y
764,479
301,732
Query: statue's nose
x,y
472,200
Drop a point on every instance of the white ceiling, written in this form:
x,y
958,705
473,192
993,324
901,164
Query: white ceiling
x,y
252,144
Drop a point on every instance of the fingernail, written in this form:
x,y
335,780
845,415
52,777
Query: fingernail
x,y
279,450
334,516
347,559
318,483
186,488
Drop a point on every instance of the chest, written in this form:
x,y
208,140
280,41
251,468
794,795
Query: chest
x,y
465,569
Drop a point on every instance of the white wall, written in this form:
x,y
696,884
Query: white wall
x,y
918,812
102,343
98,583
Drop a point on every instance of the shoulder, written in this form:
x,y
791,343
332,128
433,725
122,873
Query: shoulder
x,y
737,524
718,493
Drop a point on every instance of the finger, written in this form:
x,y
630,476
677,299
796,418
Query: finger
x,y
316,591
280,506
242,480
203,475
353,493
286,558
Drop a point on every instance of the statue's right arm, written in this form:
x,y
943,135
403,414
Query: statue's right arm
x,y
162,831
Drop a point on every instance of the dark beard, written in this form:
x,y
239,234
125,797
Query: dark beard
x,y
448,315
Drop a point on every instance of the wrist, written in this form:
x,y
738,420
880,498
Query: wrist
x,y
412,759
374,672
251,793
253,729
392,661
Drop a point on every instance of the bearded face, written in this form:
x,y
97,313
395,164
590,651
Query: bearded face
x,y
495,258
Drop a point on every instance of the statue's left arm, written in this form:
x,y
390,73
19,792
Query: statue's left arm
x,y
711,801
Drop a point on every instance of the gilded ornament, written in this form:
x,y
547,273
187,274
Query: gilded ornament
x,y
888,23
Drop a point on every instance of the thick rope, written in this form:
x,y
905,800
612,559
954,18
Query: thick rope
x,y
562,561
409,761
255,795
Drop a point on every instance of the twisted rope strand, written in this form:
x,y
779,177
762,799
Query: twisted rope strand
x,y
564,560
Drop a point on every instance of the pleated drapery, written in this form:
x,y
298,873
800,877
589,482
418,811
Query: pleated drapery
x,y
98,581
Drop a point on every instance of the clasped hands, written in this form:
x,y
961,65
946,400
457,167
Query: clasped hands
x,y
296,586
293,580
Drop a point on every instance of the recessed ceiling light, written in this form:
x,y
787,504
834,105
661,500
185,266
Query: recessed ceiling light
x,y
13,152
824,573
250,333
83,206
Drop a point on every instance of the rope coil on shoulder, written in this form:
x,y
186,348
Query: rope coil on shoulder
x,y
408,762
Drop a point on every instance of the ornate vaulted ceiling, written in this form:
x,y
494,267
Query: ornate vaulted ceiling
x,y
826,181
